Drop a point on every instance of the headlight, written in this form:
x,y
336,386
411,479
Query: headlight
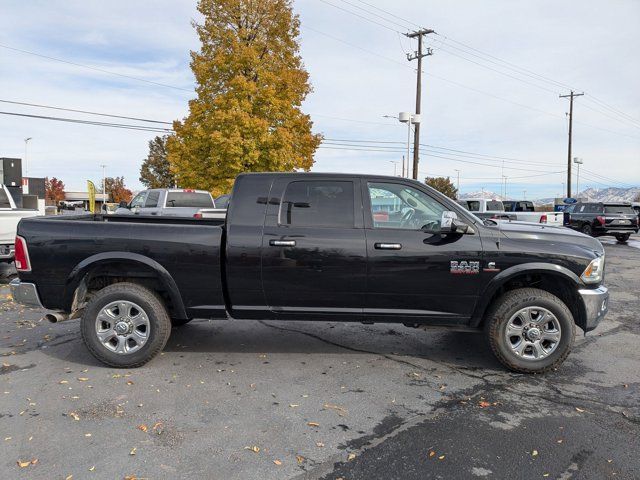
x,y
594,272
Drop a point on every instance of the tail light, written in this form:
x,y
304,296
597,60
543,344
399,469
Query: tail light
x,y
197,215
22,255
600,219
543,218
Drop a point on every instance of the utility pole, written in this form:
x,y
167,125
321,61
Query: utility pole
x,y
570,97
458,184
104,185
413,56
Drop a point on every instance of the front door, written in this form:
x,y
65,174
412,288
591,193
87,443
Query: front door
x,y
411,276
313,249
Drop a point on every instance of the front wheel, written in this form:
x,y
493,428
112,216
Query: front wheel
x,y
125,325
622,237
586,229
530,330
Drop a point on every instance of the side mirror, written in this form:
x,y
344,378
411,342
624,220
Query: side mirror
x,y
450,224
123,204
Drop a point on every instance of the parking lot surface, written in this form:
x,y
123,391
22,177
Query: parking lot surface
x,y
303,400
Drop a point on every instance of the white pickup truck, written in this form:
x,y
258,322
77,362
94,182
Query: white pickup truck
x,y
486,208
524,211
10,215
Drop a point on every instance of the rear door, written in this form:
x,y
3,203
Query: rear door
x,y
151,203
413,275
313,248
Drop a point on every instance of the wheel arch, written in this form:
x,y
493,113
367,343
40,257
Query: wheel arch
x,y
105,268
555,279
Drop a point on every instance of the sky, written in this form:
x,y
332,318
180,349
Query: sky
x,y
490,102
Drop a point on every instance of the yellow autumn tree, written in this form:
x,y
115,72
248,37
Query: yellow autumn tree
x,y
250,85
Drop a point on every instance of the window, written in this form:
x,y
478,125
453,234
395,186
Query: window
x,y
394,205
138,200
189,199
318,204
152,199
619,209
4,199
594,208
473,205
495,206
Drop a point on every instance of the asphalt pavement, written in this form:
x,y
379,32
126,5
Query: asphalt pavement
x,y
304,400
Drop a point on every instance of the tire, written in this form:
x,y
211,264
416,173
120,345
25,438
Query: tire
x,y
140,308
586,229
550,354
179,322
622,237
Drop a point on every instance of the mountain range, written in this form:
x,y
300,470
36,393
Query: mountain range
x,y
609,194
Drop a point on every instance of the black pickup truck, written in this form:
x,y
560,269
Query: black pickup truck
x,y
306,246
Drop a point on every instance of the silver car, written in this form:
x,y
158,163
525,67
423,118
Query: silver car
x,y
174,202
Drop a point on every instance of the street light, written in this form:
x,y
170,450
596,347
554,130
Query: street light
x,y
26,162
578,161
395,167
408,118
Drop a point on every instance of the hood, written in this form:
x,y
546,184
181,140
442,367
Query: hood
x,y
547,233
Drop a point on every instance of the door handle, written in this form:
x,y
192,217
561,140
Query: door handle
x,y
282,243
388,246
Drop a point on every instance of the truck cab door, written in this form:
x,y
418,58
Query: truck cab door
x,y
313,249
138,202
415,276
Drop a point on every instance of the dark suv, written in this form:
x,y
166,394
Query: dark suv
x,y
596,219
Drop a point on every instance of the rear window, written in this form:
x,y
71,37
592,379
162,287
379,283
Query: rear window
x,y
493,205
619,209
472,205
189,199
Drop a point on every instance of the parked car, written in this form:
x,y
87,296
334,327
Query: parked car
x,y
597,219
307,246
525,211
483,208
10,215
222,201
109,208
173,202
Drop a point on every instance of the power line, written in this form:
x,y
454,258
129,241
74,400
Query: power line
x,y
95,68
90,122
386,19
360,16
83,111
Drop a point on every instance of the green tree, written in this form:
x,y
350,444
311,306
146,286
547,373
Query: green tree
x,y
443,185
250,85
155,171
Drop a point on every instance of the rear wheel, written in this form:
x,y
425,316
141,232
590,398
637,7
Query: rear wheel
x,y
125,325
530,330
622,237
586,229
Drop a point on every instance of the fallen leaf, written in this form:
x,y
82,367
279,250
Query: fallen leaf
x,y
142,427
545,474
534,453
69,477
313,424
441,457
319,444
254,449
341,411
74,415
581,410
432,454
293,405
559,440
91,469
129,382
484,404
277,462
82,379
22,464
63,381
299,459
87,434
351,457
133,451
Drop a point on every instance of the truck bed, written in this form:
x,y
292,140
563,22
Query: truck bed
x,y
60,246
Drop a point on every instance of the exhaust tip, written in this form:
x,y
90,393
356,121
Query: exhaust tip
x,y
55,317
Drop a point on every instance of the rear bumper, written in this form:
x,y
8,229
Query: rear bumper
x,y
6,252
596,304
25,293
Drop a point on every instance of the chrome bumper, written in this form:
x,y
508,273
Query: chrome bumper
x,y
25,293
596,304
6,252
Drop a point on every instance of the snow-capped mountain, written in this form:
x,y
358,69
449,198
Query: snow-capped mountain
x,y
610,194
480,194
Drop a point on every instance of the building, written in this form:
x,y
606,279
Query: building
x,y
81,199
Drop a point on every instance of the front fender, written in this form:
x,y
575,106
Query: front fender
x,y
504,276
81,269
